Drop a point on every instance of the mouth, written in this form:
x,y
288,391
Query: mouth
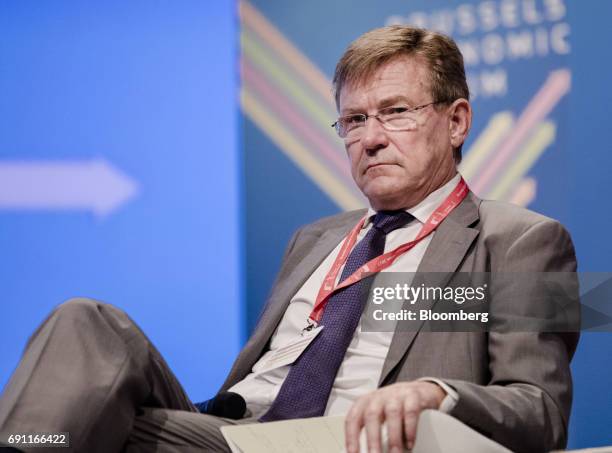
x,y
377,165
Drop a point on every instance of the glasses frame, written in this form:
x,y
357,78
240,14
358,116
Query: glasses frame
x,y
365,116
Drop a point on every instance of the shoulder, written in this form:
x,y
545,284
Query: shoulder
x,y
306,236
499,215
524,236
342,220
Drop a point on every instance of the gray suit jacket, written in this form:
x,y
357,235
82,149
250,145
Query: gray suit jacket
x,y
514,387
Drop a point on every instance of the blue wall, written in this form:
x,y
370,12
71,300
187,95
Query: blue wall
x,y
149,88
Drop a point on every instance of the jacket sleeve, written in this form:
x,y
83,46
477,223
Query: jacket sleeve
x,y
526,404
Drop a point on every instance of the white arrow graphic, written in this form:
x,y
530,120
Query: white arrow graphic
x,y
93,185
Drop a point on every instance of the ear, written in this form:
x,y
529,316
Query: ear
x,y
460,121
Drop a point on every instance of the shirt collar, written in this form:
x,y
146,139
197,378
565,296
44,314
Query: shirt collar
x,y
425,208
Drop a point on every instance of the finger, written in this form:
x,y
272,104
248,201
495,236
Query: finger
x,y
373,417
411,414
352,427
394,420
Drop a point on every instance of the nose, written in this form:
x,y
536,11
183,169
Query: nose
x,y
374,136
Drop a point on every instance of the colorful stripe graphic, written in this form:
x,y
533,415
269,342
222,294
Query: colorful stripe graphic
x,y
555,87
524,193
542,138
498,128
294,149
290,100
257,25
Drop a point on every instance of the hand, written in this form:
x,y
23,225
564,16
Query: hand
x,y
399,405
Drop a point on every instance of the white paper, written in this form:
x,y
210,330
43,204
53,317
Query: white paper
x,y
436,433
309,435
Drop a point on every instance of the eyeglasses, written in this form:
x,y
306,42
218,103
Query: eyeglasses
x,y
398,118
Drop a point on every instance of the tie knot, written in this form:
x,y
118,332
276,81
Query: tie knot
x,y
387,221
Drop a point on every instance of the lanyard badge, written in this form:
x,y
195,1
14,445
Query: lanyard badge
x,y
380,262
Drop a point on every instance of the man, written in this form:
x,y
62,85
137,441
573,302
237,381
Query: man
x,y
404,115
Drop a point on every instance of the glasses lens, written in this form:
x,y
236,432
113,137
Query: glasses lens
x,y
348,125
398,118
392,118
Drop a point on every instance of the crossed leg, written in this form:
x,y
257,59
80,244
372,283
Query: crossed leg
x,y
89,370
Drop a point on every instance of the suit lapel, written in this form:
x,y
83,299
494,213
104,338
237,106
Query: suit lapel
x,y
301,265
297,277
443,256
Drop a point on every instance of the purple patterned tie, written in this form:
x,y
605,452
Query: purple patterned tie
x,y
308,384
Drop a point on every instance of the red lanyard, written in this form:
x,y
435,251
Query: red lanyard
x,y
383,261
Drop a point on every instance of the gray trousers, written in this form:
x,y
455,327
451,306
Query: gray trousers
x,y
90,371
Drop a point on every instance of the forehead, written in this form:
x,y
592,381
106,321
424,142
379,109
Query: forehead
x,y
406,76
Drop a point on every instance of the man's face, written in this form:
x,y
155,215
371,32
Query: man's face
x,y
398,169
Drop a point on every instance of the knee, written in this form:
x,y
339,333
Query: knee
x,y
78,307
85,311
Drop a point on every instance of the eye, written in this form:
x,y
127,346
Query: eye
x,y
353,120
394,110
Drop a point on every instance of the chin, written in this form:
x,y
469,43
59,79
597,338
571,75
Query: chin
x,y
385,201
381,186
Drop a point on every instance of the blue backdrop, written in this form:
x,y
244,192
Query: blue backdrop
x,y
120,173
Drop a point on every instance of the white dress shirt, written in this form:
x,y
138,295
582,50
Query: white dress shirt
x,y
360,370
